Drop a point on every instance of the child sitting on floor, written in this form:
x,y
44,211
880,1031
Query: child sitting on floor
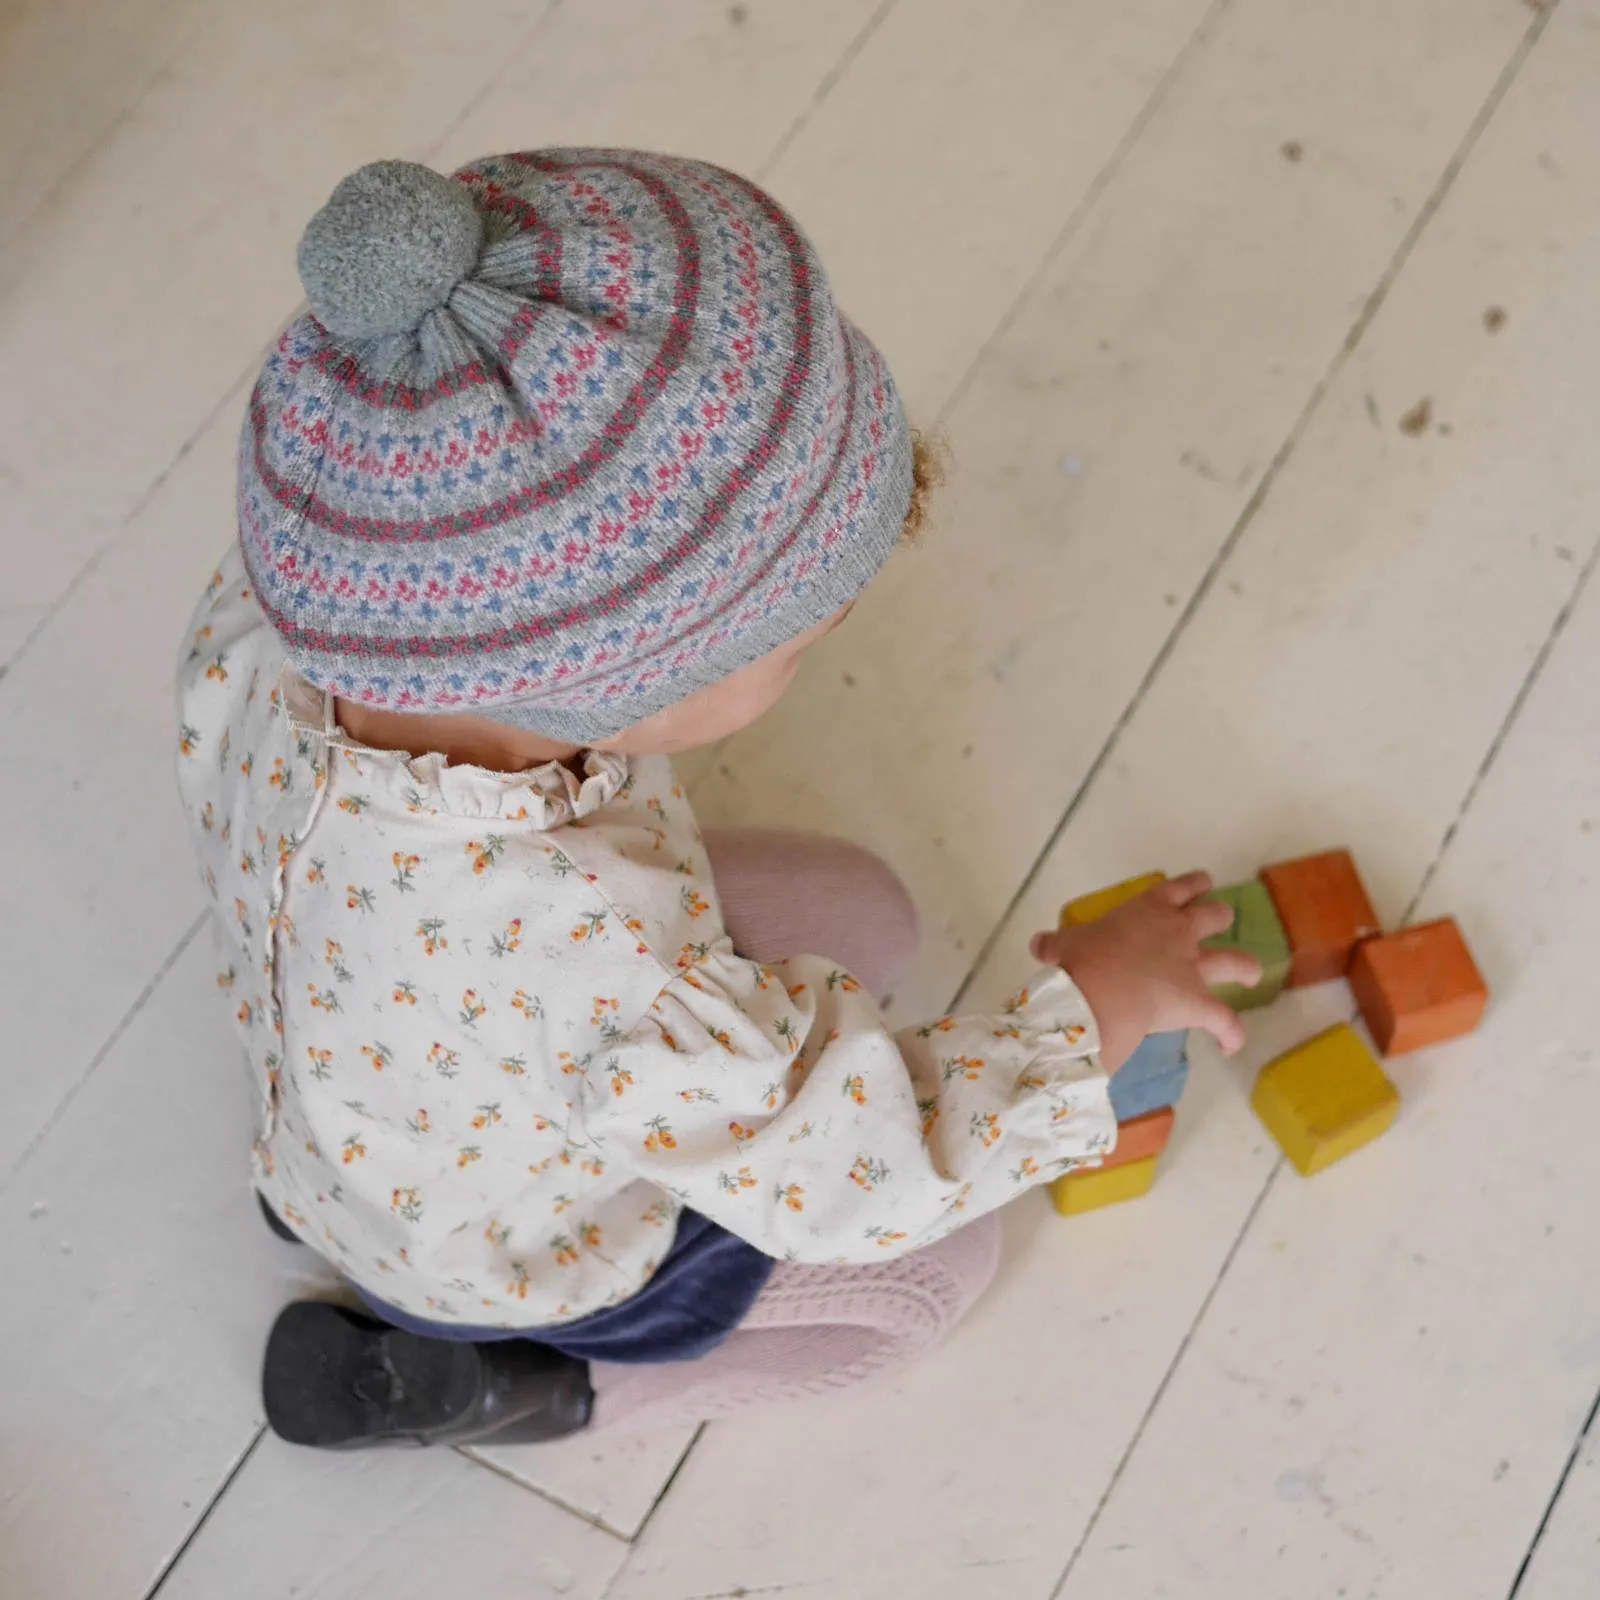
x,y
570,460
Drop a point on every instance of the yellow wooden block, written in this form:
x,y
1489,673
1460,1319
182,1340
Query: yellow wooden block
x,y
1091,907
1325,1098
1102,1186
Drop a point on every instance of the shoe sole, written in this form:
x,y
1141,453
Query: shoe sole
x,y
333,1380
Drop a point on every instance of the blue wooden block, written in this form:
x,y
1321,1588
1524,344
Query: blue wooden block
x,y
1153,1076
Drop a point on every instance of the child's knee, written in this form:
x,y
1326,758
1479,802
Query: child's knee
x,y
889,913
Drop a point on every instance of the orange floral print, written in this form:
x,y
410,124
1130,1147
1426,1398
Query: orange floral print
x,y
968,1067
568,931
486,854
868,1173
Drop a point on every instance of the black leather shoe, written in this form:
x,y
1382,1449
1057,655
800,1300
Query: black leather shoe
x,y
337,1380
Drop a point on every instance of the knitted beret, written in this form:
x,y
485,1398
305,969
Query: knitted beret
x,y
561,439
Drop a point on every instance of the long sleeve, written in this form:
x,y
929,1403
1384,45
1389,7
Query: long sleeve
x,y
776,1101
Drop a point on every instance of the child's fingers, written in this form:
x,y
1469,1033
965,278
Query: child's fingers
x,y
1222,1023
1210,917
1042,947
1228,966
1190,886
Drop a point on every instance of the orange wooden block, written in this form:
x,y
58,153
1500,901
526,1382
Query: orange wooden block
x,y
1418,987
1324,910
1141,1138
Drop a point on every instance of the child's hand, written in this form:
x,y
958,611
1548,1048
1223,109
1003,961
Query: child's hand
x,y
1142,969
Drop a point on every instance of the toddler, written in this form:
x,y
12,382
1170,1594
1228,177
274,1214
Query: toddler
x,y
569,461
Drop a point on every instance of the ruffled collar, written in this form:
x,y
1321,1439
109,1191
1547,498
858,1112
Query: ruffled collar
x,y
545,797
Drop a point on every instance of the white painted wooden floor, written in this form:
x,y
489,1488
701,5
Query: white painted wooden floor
x,y
1170,273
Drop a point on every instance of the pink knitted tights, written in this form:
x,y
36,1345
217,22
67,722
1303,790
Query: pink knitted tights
x,y
813,1329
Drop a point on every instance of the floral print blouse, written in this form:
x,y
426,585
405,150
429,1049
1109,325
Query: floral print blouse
x,y
500,1039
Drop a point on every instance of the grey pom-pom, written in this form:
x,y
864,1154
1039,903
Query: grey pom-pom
x,y
391,243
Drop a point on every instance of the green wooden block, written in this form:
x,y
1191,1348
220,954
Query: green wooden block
x,y
1256,928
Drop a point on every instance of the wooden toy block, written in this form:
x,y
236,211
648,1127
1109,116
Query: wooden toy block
x,y
1325,912
1418,987
1143,1137
1084,1191
1325,1099
1258,929
1091,907
1152,1077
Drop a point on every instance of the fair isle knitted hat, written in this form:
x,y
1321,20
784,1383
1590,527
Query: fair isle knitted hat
x,y
562,439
